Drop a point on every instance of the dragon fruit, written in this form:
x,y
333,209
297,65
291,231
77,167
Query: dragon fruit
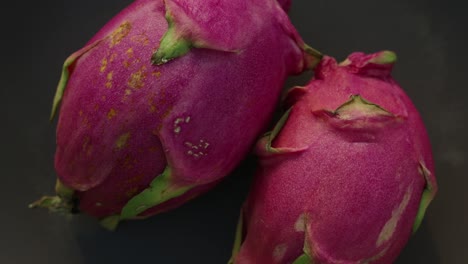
x,y
165,100
345,176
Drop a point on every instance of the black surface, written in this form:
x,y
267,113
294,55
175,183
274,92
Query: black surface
x,y
429,37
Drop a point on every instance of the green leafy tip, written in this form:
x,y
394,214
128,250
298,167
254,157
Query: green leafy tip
x,y
264,145
384,57
62,203
426,198
63,191
238,239
313,56
357,106
307,256
54,204
303,259
111,222
161,189
66,75
61,86
172,45
276,130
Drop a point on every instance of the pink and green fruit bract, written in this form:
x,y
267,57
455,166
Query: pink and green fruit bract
x,y
165,100
345,176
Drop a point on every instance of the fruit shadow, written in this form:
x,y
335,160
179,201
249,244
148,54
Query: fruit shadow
x,y
420,248
201,231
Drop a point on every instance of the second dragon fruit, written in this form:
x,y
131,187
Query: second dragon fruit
x,y
345,176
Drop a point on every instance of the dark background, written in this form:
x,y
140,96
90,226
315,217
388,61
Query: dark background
x,y
430,38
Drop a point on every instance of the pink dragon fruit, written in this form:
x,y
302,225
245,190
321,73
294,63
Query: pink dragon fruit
x,y
345,176
139,134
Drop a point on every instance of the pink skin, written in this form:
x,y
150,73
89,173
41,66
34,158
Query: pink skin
x,y
123,120
344,186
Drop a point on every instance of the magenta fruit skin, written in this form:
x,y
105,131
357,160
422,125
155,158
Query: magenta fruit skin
x,y
187,114
345,176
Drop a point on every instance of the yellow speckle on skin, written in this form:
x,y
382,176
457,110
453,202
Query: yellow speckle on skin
x,y
120,33
111,113
130,52
122,141
109,79
141,38
80,112
137,79
103,64
156,74
112,57
151,104
128,92
167,112
87,147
